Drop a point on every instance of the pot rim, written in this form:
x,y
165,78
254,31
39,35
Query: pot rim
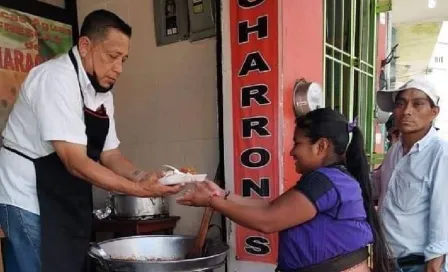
x,y
111,260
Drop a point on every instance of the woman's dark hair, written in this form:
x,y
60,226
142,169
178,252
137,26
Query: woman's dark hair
x,y
330,124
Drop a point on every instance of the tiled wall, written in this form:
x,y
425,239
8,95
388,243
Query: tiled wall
x,y
166,101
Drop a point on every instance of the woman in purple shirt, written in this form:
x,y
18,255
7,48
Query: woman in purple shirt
x,y
327,220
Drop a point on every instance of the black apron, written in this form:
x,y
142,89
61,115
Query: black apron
x,y
65,201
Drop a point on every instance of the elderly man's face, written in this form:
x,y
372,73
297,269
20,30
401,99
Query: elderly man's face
x,y
414,111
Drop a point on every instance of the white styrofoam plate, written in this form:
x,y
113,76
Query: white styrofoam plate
x,y
179,178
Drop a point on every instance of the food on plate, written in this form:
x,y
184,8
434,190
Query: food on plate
x,y
188,170
182,175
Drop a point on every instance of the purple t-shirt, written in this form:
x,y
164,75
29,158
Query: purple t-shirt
x,y
339,227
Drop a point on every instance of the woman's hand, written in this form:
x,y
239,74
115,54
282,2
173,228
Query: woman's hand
x,y
215,188
200,195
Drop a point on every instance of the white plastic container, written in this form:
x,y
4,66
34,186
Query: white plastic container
x,y
172,178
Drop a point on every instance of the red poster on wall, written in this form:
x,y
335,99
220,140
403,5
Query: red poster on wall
x,y
26,40
254,49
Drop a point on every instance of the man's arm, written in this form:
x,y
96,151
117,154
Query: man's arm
x,y
435,265
74,157
115,161
437,246
78,164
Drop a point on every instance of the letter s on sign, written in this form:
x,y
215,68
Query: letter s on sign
x,y
257,245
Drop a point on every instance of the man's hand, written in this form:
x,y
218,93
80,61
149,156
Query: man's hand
x,y
75,159
151,187
435,265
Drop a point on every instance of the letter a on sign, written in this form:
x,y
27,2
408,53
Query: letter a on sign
x,y
254,61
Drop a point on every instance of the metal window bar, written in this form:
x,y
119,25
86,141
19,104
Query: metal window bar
x,y
349,66
372,81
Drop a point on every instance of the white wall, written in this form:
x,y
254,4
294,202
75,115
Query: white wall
x,y
166,101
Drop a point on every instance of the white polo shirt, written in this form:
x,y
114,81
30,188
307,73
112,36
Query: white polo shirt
x,y
49,107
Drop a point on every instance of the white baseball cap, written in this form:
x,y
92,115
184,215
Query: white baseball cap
x,y
386,98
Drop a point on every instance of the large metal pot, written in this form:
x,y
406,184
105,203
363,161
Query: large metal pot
x,y
132,206
156,253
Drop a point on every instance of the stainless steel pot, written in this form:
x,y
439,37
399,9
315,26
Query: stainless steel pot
x,y
156,253
132,206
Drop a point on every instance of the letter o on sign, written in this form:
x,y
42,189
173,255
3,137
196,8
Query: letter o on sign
x,y
262,156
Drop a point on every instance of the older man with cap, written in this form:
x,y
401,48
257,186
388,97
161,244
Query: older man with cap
x,y
413,201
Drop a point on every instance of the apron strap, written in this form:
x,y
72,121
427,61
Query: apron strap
x,y
75,64
18,153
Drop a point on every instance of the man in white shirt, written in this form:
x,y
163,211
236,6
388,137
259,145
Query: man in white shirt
x,y
413,184
60,140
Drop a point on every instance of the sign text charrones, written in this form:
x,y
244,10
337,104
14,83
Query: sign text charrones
x,y
254,47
